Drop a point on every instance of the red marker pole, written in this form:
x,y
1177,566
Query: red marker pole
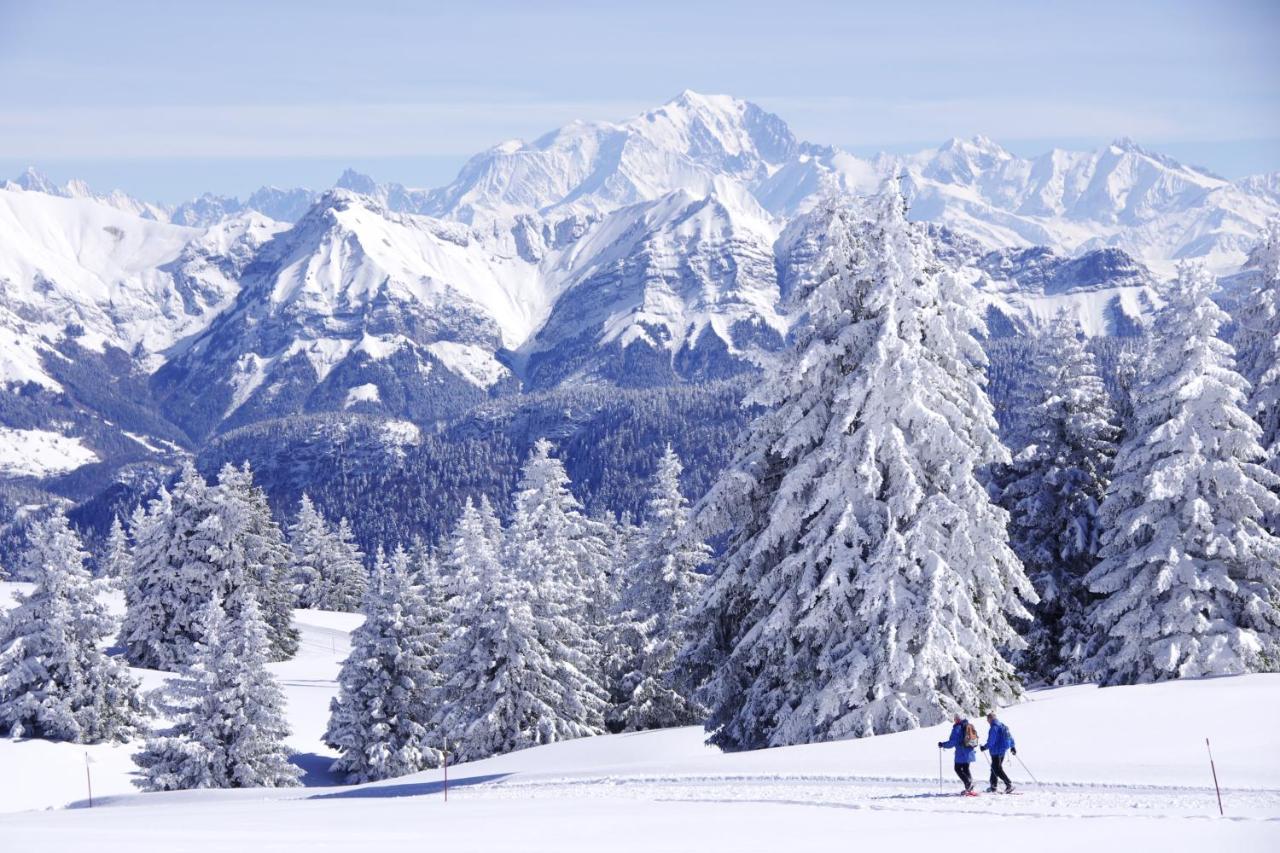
x,y
1215,776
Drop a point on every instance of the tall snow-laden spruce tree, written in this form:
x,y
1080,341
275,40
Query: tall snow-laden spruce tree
x,y
115,559
256,538
348,577
327,567
562,557
381,722
1125,379
619,640
172,578
867,585
229,717
476,594
476,538
514,672
1057,485
1258,343
1189,578
55,681
661,590
428,579
309,544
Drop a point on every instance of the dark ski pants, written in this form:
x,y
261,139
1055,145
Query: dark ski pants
x,y
997,770
962,770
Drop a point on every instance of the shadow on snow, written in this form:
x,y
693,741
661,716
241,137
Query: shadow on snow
x,y
408,789
315,770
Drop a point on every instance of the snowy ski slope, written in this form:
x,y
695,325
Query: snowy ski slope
x,y
1120,768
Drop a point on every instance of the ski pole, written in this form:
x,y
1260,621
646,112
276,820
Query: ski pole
x,y
1215,776
1024,767
939,768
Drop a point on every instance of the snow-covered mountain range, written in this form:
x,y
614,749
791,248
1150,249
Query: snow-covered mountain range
x,y
655,250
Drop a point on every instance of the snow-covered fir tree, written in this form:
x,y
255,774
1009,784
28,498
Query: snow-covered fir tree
x,y
1258,343
424,567
308,543
229,726
172,576
381,720
473,552
327,567
477,536
1057,484
115,559
256,538
623,543
511,679
623,540
1189,577
347,577
55,681
867,585
562,556
1126,379
429,580
658,596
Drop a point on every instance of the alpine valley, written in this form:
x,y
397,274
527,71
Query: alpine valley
x,y
611,286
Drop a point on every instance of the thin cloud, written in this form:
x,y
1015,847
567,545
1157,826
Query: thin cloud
x,y
283,130
447,127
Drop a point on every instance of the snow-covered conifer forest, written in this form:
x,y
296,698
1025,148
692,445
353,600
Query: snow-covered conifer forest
x,y
670,483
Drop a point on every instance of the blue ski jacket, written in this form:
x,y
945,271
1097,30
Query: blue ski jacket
x,y
999,739
964,754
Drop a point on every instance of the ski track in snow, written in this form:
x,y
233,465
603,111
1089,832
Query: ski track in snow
x,y
919,795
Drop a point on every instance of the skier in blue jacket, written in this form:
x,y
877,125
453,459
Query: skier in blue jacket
x,y
999,741
964,752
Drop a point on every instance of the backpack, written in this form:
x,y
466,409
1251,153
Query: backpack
x,y
970,735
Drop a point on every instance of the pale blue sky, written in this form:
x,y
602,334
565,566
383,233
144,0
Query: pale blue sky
x,y
165,99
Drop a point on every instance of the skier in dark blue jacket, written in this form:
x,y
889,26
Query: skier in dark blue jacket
x,y
964,750
999,741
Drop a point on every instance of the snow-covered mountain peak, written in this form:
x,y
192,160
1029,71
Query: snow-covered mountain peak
x,y
720,131
593,168
80,267
1127,143
975,146
1266,185
350,179
1126,147
348,258
964,161
32,179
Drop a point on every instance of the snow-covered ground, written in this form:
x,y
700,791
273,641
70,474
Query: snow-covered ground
x,y
1118,768
38,452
